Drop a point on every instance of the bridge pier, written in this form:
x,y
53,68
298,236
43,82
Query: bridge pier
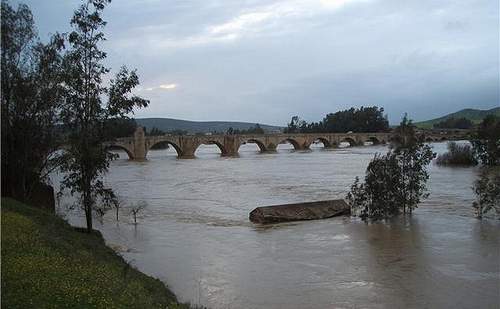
x,y
270,148
186,155
231,146
139,145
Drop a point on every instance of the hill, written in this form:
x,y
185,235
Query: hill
x,y
169,124
475,115
46,263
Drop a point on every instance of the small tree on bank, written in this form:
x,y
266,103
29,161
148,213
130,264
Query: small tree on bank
x,y
395,182
85,113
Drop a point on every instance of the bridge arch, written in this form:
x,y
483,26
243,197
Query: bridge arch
x,y
325,141
259,143
111,147
292,141
169,143
349,140
221,147
374,140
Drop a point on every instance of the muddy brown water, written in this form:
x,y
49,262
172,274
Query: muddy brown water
x,y
195,235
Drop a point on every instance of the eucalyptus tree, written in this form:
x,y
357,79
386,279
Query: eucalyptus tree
x,y
89,106
487,190
30,100
395,182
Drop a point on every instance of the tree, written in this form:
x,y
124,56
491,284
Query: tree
x,y
155,132
486,141
395,182
135,209
454,123
85,114
364,119
31,96
487,190
295,125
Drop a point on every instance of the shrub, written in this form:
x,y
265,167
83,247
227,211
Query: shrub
x,y
394,182
487,190
458,154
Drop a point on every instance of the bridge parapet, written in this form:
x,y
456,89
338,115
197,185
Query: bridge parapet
x,y
138,145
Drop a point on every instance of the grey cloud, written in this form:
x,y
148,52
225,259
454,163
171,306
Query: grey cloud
x,y
264,61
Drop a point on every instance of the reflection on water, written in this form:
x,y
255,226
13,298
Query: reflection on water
x,y
195,234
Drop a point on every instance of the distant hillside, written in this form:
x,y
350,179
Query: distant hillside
x,y
475,115
168,124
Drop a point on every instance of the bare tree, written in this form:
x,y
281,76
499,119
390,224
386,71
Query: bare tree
x,y
136,208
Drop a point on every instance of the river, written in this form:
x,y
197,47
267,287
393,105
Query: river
x,y
195,235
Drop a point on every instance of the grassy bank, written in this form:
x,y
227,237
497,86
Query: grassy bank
x,y
48,264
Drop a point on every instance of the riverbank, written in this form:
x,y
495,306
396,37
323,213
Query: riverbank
x,y
47,263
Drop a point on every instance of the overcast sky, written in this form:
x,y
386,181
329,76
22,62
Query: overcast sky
x,y
265,61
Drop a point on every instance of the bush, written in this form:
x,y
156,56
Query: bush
x,y
458,154
394,182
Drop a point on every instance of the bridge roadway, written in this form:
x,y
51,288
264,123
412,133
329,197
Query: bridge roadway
x,y
138,145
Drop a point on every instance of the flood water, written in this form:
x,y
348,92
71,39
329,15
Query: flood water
x,y
195,235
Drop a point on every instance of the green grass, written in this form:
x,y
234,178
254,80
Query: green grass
x,y
474,115
48,264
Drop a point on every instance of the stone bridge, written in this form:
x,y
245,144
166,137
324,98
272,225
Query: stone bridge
x,y
139,144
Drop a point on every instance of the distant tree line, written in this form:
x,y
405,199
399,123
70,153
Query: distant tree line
x,y
252,130
454,123
363,119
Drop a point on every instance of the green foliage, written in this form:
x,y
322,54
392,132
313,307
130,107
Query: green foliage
x,y
296,125
119,127
253,130
457,155
394,182
454,123
487,190
486,142
31,75
154,132
86,115
48,264
364,119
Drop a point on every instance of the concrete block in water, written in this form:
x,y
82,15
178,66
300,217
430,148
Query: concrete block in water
x,y
300,211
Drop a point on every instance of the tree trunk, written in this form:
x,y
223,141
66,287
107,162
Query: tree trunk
x,y
88,211
87,203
